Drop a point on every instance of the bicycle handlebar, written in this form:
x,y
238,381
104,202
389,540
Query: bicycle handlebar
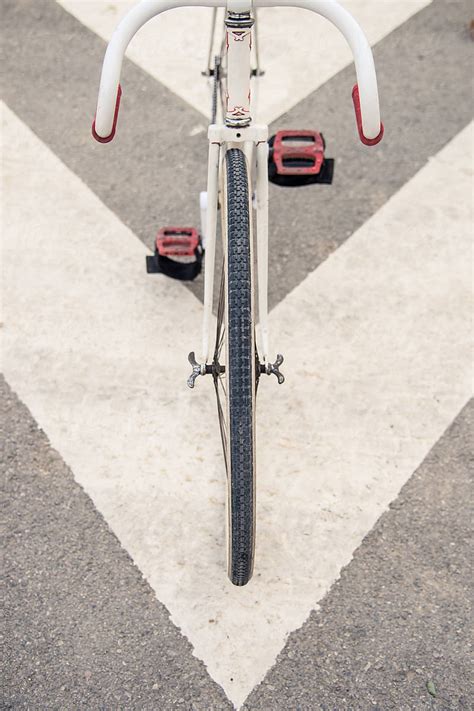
x,y
364,94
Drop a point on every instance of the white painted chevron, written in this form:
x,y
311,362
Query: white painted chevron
x,y
377,365
299,51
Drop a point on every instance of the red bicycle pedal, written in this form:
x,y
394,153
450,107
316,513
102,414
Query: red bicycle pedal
x,y
177,242
298,153
178,253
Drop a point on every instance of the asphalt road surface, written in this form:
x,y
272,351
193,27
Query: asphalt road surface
x,y
115,590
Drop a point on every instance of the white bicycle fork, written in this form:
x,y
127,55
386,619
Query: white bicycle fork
x,y
238,131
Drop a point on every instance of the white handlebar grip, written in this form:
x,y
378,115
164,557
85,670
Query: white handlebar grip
x,y
365,139
99,136
370,125
109,90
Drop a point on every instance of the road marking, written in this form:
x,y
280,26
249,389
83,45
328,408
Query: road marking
x,y
173,47
96,349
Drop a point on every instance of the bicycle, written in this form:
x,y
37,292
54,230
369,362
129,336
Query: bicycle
x,y
236,353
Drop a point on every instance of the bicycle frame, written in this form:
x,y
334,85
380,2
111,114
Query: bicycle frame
x,y
238,129
221,138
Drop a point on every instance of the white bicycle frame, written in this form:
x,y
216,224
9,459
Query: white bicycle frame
x,y
238,129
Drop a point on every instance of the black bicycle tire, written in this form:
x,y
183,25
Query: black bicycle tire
x,y
240,371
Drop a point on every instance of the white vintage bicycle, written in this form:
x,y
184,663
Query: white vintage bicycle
x,y
235,351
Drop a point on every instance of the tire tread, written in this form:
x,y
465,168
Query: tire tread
x,y
241,369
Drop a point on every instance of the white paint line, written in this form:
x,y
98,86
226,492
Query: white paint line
x,y
377,365
299,50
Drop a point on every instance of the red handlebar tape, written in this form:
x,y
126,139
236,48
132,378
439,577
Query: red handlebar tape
x,y
358,113
108,138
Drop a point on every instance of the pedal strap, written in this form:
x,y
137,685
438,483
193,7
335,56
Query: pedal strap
x,y
185,271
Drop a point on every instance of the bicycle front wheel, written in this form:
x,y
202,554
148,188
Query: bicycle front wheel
x,y
236,385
